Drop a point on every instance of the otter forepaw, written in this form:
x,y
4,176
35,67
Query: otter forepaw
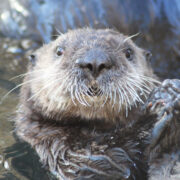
x,y
112,164
164,102
165,98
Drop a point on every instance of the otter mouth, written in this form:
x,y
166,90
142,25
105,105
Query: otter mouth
x,y
94,91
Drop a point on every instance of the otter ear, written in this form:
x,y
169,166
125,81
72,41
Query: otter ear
x,y
32,59
148,55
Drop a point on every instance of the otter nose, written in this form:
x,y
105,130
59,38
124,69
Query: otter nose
x,y
94,66
95,62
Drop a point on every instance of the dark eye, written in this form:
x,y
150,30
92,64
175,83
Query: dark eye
x,y
129,54
32,59
59,51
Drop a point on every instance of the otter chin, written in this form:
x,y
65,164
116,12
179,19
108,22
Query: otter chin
x,y
89,76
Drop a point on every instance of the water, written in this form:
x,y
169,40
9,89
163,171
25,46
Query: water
x,y
17,159
25,24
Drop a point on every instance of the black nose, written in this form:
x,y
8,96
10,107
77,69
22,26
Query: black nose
x,y
95,61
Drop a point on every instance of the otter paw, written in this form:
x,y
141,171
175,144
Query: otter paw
x,y
165,99
164,102
113,163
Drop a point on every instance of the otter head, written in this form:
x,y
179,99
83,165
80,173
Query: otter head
x,y
90,74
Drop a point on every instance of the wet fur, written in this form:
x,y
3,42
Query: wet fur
x,y
164,148
86,137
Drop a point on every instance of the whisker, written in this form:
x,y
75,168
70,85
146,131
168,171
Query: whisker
x,y
106,90
72,95
119,50
81,94
114,99
150,80
78,96
44,87
138,85
134,93
127,100
24,74
26,82
85,90
130,37
143,92
77,93
110,95
58,89
123,99
67,76
145,79
120,98
31,72
84,99
60,33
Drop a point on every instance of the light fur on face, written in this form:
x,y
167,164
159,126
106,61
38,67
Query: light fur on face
x,y
59,86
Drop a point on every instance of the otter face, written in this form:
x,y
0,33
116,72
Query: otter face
x,y
93,74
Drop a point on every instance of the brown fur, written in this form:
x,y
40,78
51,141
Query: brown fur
x,y
63,128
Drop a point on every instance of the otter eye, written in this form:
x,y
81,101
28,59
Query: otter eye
x,y
129,54
59,51
32,59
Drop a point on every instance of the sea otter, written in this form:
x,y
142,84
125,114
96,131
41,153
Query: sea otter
x,y
80,106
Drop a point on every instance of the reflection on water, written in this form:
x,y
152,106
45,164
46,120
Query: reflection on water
x,y
157,21
25,163
17,160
